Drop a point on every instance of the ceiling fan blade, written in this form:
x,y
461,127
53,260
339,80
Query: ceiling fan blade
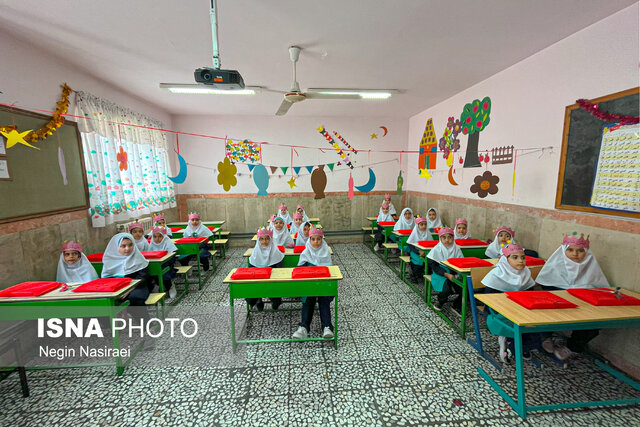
x,y
264,89
315,95
284,107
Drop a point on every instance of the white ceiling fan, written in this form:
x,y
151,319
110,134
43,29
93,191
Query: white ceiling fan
x,y
296,95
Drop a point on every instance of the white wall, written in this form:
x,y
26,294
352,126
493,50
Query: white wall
x,y
528,103
31,78
294,131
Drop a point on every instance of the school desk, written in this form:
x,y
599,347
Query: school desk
x,y
67,304
155,268
255,237
182,225
290,259
585,316
193,249
280,284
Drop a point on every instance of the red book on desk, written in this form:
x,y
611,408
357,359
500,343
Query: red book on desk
x,y
104,285
404,232
191,240
252,273
176,229
30,289
531,261
386,223
428,243
154,254
310,272
470,242
539,299
97,257
298,249
469,262
603,296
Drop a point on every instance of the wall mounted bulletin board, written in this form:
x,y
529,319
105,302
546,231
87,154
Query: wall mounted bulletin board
x,y
600,161
36,187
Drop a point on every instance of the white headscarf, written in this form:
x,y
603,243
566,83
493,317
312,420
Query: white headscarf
x,y
506,278
80,271
165,245
417,235
286,218
384,216
561,272
441,253
392,209
436,223
402,223
494,250
301,240
264,256
294,228
142,244
320,256
117,265
461,236
305,218
281,237
199,231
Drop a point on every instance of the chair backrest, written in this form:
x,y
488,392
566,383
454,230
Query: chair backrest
x,y
477,274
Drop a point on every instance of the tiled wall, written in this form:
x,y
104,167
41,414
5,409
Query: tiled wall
x,y
30,250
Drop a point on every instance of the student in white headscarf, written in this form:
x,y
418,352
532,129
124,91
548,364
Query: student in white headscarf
x,y
420,232
433,219
440,277
265,254
73,266
501,236
196,228
297,225
316,253
461,229
572,265
303,234
301,211
161,242
383,216
405,220
387,200
283,213
122,258
137,231
281,236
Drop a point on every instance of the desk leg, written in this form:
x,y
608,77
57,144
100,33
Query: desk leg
x,y
116,341
199,273
335,328
477,344
521,404
463,310
233,325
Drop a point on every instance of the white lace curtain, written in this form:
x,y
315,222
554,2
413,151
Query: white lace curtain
x,y
127,165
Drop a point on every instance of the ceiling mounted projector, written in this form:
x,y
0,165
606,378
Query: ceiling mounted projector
x,y
219,79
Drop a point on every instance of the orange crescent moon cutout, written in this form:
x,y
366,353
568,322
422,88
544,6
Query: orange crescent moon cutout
x,y
384,128
451,180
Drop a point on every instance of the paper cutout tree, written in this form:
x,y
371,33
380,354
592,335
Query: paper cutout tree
x,y
428,147
475,118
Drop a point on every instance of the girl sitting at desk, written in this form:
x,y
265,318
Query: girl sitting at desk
x,y
572,265
296,227
265,254
420,232
137,231
316,253
433,219
501,236
461,230
301,211
161,242
303,235
440,277
158,220
196,228
283,213
281,234
383,216
73,265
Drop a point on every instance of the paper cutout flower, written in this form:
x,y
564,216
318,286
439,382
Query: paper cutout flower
x,y
121,157
456,145
227,174
485,184
457,128
450,122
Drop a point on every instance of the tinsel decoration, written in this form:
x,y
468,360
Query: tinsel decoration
x,y
345,142
593,109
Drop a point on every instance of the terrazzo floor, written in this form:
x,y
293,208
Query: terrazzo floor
x,y
397,364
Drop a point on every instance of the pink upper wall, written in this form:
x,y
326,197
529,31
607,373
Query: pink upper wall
x,y
528,103
291,130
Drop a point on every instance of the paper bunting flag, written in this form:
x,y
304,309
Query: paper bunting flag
x,y
251,167
296,169
273,169
335,146
345,142
330,166
284,169
243,151
309,168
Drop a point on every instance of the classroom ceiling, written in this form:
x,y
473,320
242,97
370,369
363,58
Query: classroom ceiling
x,y
429,49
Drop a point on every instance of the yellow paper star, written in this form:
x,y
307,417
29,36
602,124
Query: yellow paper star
x,y
14,137
374,136
424,173
292,182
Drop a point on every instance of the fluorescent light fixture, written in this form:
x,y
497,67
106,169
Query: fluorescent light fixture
x,y
204,90
362,93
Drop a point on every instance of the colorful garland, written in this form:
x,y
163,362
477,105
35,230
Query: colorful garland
x,y
56,121
345,142
592,109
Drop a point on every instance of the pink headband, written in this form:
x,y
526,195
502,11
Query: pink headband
x,y
461,221
445,230
194,216
160,230
387,196
71,246
385,205
135,225
300,207
158,217
283,207
272,218
511,248
420,219
576,241
507,229
315,232
297,216
264,232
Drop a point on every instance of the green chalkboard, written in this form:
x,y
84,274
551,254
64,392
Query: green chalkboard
x,y
36,186
581,142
